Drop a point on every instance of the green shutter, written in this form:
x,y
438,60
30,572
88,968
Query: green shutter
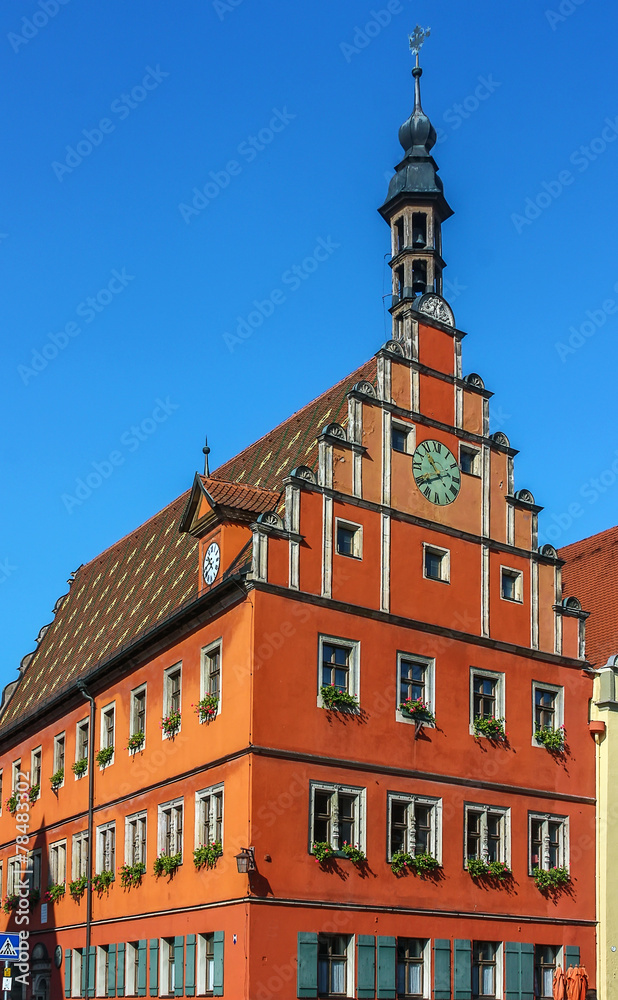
x,y
307,968
179,966
387,968
366,966
442,969
463,969
571,956
92,957
83,974
154,967
527,971
120,970
190,966
512,973
219,938
142,962
67,972
111,970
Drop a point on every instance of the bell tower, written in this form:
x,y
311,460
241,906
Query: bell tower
x,y
415,208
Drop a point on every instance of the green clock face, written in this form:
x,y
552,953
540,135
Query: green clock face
x,y
436,472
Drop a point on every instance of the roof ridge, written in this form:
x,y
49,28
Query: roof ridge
x,y
589,538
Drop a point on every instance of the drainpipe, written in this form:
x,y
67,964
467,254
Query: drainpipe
x,y
83,690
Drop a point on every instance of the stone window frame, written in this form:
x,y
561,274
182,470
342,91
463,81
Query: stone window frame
x,y
360,811
353,646
505,834
411,799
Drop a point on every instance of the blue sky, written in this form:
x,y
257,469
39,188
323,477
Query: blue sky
x,y
283,118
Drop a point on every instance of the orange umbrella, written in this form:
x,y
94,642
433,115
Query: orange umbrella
x,y
582,975
572,984
559,988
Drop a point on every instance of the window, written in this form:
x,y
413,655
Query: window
x,y
57,862
132,968
33,872
211,672
76,972
15,769
486,833
486,696
1,775
82,739
171,689
138,711
339,662
170,828
135,839
436,563
485,972
108,726
168,977
401,438
548,707
79,855
399,235
349,539
415,681
59,746
333,965
13,875
36,758
511,584
414,824
337,815
412,978
469,460
209,816
545,962
106,847
548,841
102,970
205,964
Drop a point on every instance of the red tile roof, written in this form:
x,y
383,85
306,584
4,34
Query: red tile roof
x,y
591,574
249,498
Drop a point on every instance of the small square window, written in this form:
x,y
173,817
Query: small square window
x,y
486,696
415,683
436,563
470,460
400,438
548,709
349,539
511,584
338,667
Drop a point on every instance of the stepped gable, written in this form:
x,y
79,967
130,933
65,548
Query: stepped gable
x,y
114,599
592,569
268,461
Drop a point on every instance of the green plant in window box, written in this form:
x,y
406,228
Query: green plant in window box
x,y
56,779
479,868
33,794
323,852
334,698
354,853
166,864
418,710
491,728
136,741
34,897
170,724
399,861
78,886
104,756
424,863
552,878
80,767
551,739
207,708
207,855
55,892
11,803
11,902
102,880
131,875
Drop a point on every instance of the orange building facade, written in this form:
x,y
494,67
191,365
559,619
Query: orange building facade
x,y
340,661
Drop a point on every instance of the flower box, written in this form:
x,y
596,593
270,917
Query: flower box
x,y
56,892
323,852
11,803
104,756
131,875
207,855
492,729
78,887
80,767
33,794
354,853
421,863
136,741
417,710
207,708
56,779
552,878
11,902
166,864
170,724
334,698
479,868
102,880
551,739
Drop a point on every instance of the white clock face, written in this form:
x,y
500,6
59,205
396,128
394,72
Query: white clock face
x,y
211,563
436,472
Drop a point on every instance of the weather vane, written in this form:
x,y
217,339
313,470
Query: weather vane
x,y
417,39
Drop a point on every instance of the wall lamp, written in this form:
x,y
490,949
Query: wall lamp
x,y
245,861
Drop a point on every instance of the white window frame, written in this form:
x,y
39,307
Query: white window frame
x,y
353,645
427,971
1,784
201,976
411,799
167,695
505,842
559,960
409,431
547,818
499,965
37,750
102,830
174,804
77,958
81,869
360,811
476,459
132,713
57,739
83,723
15,770
350,963
429,663
212,647
518,575
132,966
500,693
13,875
200,798
58,860
103,730
34,870
134,818
445,563
102,955
558,707
166,944
357,540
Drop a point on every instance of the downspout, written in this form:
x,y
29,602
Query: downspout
x,y
83,690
